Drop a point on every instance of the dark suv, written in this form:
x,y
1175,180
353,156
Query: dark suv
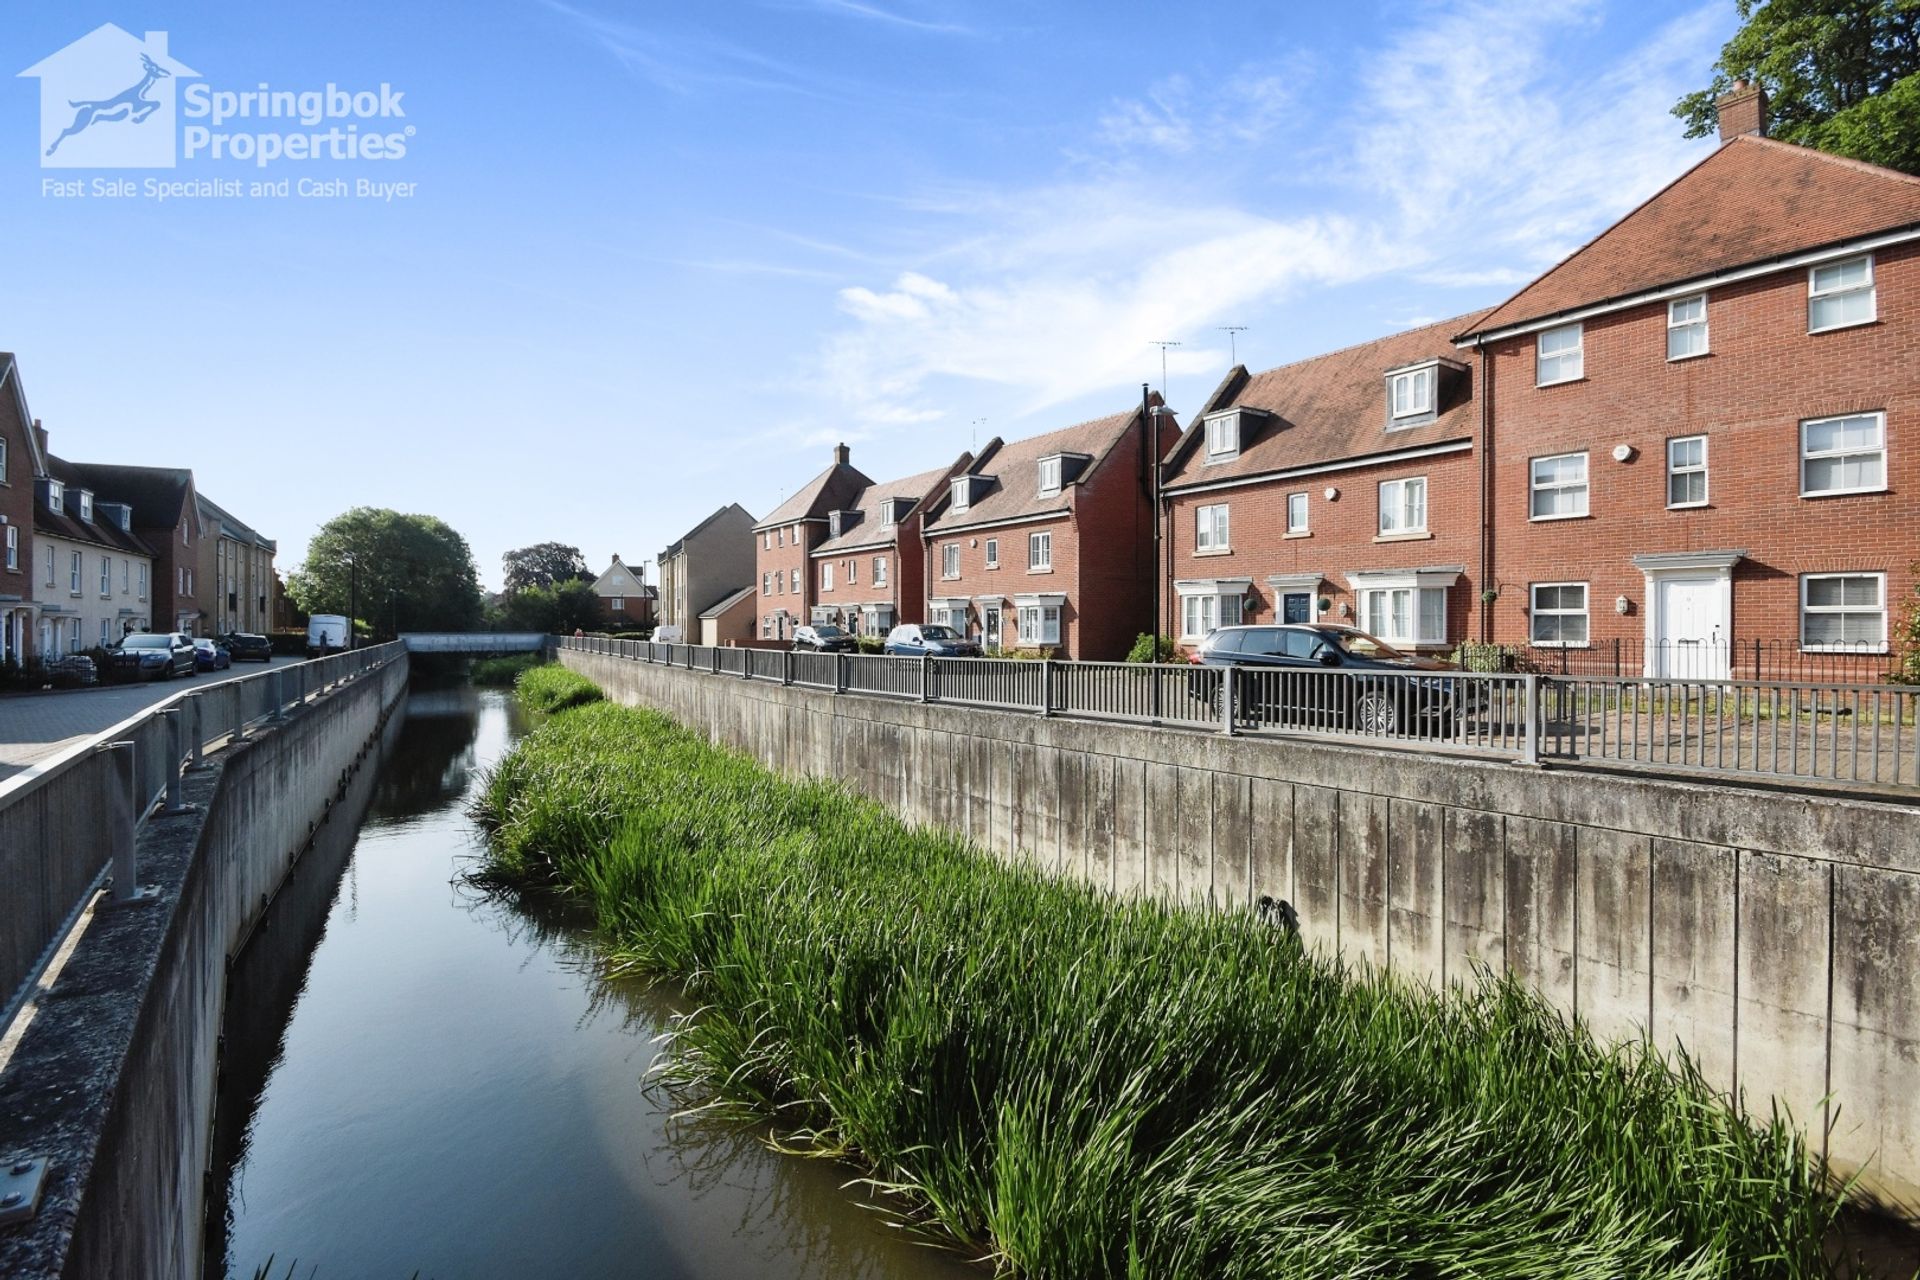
x,y
244,644
1333,676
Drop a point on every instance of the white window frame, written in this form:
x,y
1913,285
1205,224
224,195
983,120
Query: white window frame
x,y
780,536
853,572
1040,551
1416,633
1817,295
1535,612
826,575
143,581
13,536
766,539
1706,483
76,570
1398,505
1584,485
766,584
950,560
1049,476
86,505
1211,529
879,571
793,585
1223,437
57,497
1568,366
1302,526
1880,426
1678,326
1870,646
1036,624
106,577
1420,385
993,553
52,574
3,460
960,493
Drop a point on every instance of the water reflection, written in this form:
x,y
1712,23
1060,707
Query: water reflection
x,y
435,1079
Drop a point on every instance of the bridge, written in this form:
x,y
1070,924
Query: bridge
x,y
473,641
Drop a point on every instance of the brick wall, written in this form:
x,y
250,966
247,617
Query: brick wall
x,y
16,504
1343,537
1764,375
788,553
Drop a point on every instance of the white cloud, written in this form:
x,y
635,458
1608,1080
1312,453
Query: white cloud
x,y
1471,163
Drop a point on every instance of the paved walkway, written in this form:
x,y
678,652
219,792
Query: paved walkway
x,y
35,726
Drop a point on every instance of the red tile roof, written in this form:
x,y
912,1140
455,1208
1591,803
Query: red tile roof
x,y
868,531
828,491
1329,408
1752,200
1015,468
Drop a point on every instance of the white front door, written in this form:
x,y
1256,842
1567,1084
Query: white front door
x,y
1694,633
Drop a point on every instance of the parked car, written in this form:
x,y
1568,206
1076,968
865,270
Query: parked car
x,y
1380,691
209,655
326,633
242,645
824,638
916,638
72,671
150,655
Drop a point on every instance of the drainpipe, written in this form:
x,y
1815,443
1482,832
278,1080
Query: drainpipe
x,y
1150,430
1486,488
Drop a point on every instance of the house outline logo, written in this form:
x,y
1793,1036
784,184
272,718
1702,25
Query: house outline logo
x,y
109,100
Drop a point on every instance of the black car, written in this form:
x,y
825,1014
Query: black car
x,y
823,637
152,656
244,645
1288,678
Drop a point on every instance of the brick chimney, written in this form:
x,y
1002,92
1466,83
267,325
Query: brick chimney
x,y
841,454
1742,109
40,435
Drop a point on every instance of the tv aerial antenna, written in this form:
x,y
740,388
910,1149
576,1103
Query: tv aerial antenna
x,y
1233,332
1163,344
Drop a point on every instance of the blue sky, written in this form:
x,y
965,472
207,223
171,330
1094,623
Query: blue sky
x,y
661,256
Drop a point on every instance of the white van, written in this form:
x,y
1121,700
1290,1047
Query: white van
x,y
326,633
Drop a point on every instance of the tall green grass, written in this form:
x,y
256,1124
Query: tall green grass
x,y
554,688
1074,1086
503,671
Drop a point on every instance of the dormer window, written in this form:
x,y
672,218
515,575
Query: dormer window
x,y
1410,394
1223,437
1050,475
86,505
56,497
962,493
894,510
835,523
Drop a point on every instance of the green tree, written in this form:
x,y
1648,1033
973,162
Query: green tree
x,y
403,572
1840,75
559,609
544,564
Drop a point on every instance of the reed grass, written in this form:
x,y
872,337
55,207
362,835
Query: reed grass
x,y
1070,1086
501,672
551,687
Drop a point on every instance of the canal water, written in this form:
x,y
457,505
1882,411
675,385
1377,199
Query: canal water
x,y
418,1077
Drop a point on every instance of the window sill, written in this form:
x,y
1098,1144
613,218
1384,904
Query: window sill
x,y
1213,551
1048,569
1298,533
1419,536
1697,355
1843,493
1216,459
1837,328
1869,650
1558,644
1688,506
1557,382
1584,515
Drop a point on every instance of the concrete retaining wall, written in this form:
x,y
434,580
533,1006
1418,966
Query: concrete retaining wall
x,y
1776,935
113,1079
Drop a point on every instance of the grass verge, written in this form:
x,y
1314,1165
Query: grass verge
x,y
1072,1086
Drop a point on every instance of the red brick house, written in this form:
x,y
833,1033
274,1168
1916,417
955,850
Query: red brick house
x,y
1047,543
22,462
166,517
626,601
1704,422
1342,488
787,537
869,574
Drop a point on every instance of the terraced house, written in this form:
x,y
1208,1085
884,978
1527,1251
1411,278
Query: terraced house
x,y
20,465
870,573
1343,488
787,538
94,573
236,564
1046,544
1703,423
166,515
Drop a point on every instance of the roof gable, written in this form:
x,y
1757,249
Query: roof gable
x,y
831,490
1015,471
868,530
1753,200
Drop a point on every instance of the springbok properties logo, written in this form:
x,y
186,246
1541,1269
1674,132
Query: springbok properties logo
x,y
108,101
111,100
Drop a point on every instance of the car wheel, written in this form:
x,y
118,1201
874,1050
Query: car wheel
x,y
1375,712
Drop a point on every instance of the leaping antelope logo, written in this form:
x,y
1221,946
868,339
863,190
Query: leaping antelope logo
x,y
133,105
